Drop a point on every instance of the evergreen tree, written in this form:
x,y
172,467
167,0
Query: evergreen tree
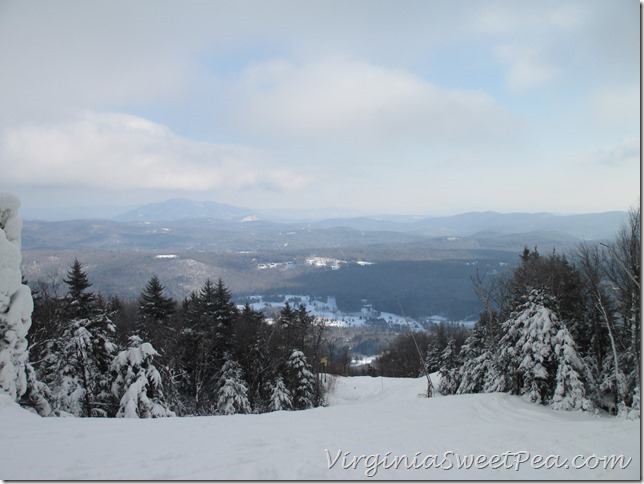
x,y
206,338
300,381
81,368
449,371
80,302
570,389
537,356
287,323
17,379
198,370
280,398
154,307
137,385
477,357
232,396
224,315
251,351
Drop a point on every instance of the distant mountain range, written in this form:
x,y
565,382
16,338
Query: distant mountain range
x,y
584,226
183,208
427,261
185,221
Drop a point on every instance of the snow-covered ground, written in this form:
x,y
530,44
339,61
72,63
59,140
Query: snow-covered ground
x,y
329,312
382,419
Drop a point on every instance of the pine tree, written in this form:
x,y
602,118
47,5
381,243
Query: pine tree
x,y
300,381
280,398
76,365
476,360
81,368
154,307
251,337
449,371
206,338
537,357
232,396
138,386
570,389
224,314
80,301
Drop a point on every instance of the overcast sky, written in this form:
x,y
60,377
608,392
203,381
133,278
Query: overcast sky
x,y
424,107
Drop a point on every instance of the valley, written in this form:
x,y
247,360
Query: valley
x,y
424,264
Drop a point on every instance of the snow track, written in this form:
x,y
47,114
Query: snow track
x,y
367,416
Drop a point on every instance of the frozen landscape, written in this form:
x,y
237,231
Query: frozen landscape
x,y
327,311
382,419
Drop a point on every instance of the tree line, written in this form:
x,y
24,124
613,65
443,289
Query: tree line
x,y
563,331
103,357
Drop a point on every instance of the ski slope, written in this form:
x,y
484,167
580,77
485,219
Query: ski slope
x,y
367,418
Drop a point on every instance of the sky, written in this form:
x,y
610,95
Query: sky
x,y
429,107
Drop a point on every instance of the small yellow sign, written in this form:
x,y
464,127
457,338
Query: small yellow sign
x,y
323,360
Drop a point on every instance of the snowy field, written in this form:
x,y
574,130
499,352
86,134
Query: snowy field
x,y
382,419
328,311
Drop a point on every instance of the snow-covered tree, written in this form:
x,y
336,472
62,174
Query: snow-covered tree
x,y
300,381
570,389
477,357
82,368
17,377
449,371
138,385
538,358
232,396
280,398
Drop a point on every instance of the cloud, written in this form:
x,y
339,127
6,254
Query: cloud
x,y
625,153
528,66
617,106
118,151
354,101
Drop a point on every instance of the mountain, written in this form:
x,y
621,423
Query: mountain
x,y
183,208
428,262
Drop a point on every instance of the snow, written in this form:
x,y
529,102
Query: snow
x,y
16,303
366,417
328,312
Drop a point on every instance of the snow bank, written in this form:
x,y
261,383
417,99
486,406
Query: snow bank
x,y
376,418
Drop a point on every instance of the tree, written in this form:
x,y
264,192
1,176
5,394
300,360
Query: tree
x,y
570,388
79,368
137,385
232,396
18,378
154,307
623,271
300,381
206,339
449,371
477,355
80,301
281,398
538,358
251,351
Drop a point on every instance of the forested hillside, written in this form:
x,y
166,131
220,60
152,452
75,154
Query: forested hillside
x,y
561,330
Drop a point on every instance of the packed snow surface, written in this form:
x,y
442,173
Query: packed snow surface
x,y
382,419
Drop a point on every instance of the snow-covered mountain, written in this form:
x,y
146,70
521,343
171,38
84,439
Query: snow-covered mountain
x,y
379,428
